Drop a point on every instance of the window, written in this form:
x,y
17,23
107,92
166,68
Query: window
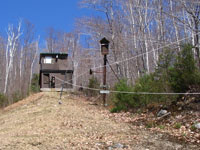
x,y
48,60
46,78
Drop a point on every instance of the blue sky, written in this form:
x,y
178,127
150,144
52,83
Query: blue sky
x,y
59,14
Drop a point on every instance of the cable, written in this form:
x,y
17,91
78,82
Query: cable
x,y
146,52
136,56
76,85
126,92
113,70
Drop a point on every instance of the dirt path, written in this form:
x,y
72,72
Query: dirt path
x,y
39,123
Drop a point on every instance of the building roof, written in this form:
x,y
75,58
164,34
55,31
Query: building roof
x,y
56,71
53,54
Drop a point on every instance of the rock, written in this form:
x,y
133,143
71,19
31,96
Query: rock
x,y
118,145
187,125
161,113
180,108
59,102
197,125
100,145
110,148
183,128
36,143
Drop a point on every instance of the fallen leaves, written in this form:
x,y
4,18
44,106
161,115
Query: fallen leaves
x,y
78,125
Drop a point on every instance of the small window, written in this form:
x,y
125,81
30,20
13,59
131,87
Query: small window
x,y
48,60
46,78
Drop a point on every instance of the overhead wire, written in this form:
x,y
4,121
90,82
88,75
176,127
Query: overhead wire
x,y
126,92
139,55
142,54
113,70
128,60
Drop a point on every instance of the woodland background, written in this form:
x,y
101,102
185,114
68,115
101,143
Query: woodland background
x,y
139,32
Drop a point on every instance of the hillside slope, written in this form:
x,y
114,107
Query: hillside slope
x,y
40,123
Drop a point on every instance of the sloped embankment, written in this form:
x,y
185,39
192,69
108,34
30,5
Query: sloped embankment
x,y
39,122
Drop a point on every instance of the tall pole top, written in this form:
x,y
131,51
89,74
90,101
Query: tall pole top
x,y
104,41
104,46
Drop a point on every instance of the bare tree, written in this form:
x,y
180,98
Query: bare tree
x,y
51,39
143,28
35,50
10,50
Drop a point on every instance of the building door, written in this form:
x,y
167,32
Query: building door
x,y
52,82
46,80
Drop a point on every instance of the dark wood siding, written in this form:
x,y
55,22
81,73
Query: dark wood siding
x,y
53,75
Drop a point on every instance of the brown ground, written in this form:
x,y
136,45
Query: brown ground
x,y
40,123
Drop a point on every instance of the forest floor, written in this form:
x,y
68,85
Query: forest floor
x,y
40,123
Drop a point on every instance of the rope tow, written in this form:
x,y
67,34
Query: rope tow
x,y
126,92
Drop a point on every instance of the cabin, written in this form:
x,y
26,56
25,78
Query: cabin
x,y
55,72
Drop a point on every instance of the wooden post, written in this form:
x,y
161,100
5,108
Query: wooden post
x,y
104,51
104,80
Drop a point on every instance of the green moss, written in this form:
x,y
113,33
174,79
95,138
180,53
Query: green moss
x,y
177,125
161,126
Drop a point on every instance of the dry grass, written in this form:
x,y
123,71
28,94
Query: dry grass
x,y
39,122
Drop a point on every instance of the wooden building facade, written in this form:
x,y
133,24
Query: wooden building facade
x,y
54,71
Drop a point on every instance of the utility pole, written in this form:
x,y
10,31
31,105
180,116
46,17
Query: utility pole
x,y
104,51
104,79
